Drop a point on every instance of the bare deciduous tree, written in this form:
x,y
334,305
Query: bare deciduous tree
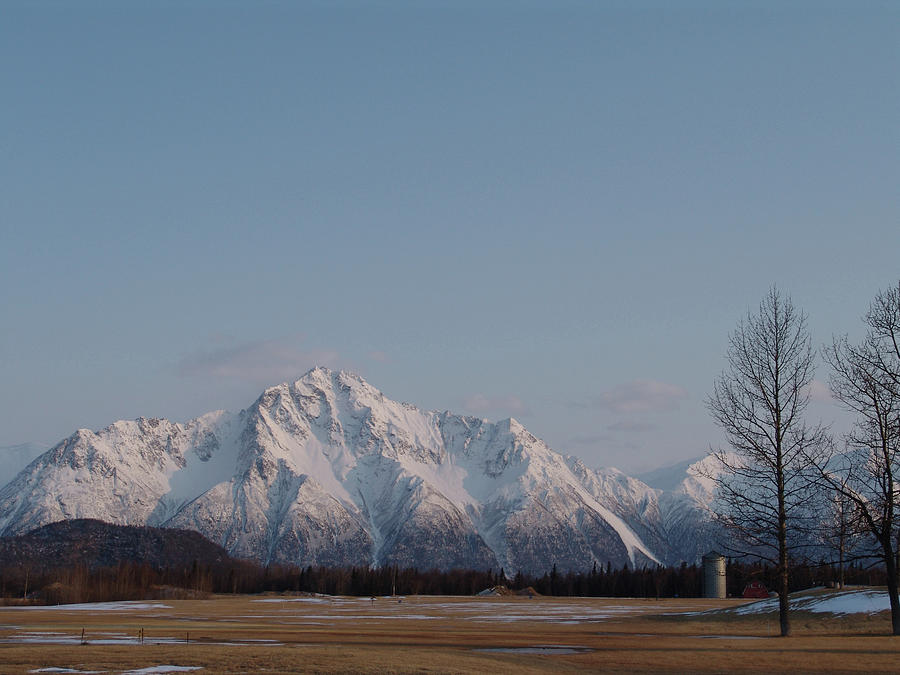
x,y
866,380
841,528
763,487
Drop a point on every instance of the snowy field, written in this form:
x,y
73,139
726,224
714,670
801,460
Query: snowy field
x,y
288,634
296,613
150,670
849,601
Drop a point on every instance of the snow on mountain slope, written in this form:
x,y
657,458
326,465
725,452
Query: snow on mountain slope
x,y
327,470
668,478
119,475
686,512
636,503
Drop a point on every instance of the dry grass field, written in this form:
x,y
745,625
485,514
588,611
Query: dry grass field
x,y
286,634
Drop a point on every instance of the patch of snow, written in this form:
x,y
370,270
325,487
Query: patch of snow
x,y
162,669
122,606
853,602
309,600
540,650
726,637
866,601
360,617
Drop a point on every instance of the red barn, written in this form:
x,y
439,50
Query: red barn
x,y
755,589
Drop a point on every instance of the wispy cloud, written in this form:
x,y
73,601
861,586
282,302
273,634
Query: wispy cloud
x,y
590,440
632,426
602,441
819,391
261,362
642,396
379,356
481,404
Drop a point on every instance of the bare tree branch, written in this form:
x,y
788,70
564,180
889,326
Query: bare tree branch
x,y
763,485
865,379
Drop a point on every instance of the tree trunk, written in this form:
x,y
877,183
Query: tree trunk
x,y
891,571
783,600
841,567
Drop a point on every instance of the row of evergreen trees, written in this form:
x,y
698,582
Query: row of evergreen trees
x,y
134,581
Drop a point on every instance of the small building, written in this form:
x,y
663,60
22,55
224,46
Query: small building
x,y
714,575
755,590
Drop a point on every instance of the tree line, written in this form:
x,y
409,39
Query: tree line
x,y
141,581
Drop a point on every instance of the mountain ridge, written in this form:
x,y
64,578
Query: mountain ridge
x,y
327,470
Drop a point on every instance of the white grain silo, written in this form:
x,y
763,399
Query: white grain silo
x,y
714,575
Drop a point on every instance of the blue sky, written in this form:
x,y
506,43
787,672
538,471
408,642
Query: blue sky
x,y
555,211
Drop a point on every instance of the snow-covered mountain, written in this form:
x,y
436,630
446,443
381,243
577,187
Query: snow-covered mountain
x,y
327,470
668,478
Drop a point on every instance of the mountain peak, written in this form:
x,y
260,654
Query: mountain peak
x,y
317,374
325,378
327,470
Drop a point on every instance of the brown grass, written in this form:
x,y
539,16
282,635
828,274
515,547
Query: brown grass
x,y
354,635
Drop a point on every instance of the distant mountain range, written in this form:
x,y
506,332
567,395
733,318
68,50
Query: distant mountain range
x,y
669,478
328,471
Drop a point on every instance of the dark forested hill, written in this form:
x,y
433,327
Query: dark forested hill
x,y
95,544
